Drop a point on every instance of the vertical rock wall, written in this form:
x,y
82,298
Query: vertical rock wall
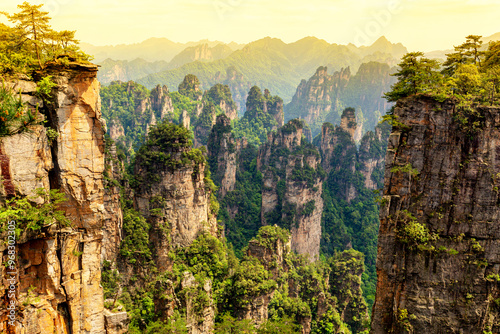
x,y
291,193
59,269
438,261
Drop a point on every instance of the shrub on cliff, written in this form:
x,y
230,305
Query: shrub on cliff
x,y
15,117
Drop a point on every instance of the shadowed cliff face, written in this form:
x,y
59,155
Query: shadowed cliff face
x,y
60,266
438,260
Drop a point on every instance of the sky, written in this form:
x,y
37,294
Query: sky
x,y
422,25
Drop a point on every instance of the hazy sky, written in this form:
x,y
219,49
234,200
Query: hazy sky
x,y
418,24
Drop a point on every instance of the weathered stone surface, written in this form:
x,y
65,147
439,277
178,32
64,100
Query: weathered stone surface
x,y
198,321
113,215
223,151
62,266
184,204
116,130
300,204
451,287
339,153
116,323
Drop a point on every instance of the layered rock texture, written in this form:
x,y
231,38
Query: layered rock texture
x,y
223,151
172,193
323,97
340,155
59,268
438,263
292,186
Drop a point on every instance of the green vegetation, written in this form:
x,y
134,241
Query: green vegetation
x,y
411,232
34,212
15,116
469,75
160,151
190,87
30,43
259,118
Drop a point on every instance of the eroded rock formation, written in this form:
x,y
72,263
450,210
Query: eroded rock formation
x,y
438,262
293,179
59,268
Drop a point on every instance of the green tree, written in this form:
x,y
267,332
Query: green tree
x,y
492,55
31,41
416,74
466,53
34,25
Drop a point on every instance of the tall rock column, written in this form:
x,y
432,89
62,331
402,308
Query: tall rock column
x,y
293,180
222,154
172,190
59,268
438,261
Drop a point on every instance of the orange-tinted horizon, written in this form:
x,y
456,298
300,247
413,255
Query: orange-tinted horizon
x,y
423,25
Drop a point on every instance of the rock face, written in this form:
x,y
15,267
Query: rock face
x,y
340,154
314,98
116,323
322,97
161,101
113,215
59,279
292,187
198,322
172,194
221,96
438,261
223,151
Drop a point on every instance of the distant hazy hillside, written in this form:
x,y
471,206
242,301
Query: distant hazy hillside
x,y
153,49
271,63
125,70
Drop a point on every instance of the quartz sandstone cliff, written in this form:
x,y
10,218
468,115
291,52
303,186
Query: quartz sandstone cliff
x,y
292,187
63,265
441,179
177,203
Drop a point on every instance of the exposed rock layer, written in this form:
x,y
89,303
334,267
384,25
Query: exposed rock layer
x,y
61,267
441,177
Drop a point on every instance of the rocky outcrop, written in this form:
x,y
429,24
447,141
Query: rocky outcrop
x,y
198,321
273,105
116,130
221,96
161,102
116,323
113,215
203,125
322,98
59,269
238,85
345,283
339,154
314,98
172,192
292,187
223,151
371,157
438,263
